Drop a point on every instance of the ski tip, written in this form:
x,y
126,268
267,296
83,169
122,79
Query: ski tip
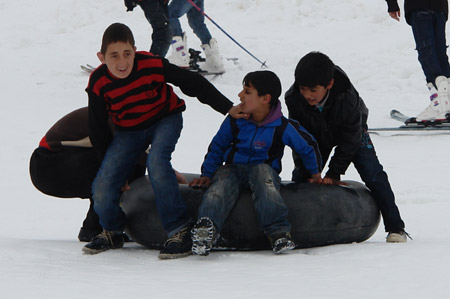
x,y
87,68
393,111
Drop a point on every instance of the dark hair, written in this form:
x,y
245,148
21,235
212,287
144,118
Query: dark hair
x,y
116,32
265,82
314,69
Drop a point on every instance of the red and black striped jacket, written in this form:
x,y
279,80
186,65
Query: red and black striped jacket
x,y
144,97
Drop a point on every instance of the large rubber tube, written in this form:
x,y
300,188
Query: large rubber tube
x,y
319,215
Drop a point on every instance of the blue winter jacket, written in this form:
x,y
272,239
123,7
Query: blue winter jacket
x,y
241,141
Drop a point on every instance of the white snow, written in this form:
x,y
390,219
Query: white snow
x,y
44,42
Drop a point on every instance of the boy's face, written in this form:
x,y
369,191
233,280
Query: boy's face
x,y
313,95
119,58
251,102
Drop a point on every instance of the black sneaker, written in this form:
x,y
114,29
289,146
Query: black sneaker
x,y
86,235
203,236
281,242
104,241
179,245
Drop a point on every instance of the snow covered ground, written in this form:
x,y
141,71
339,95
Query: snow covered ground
x,y
44,42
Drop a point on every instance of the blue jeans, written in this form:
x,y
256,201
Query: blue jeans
x,y
119,161
264,184
196,20
157,14
372,174
429,33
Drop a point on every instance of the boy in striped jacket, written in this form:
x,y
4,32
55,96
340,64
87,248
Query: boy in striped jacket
x,y
252,150
131,88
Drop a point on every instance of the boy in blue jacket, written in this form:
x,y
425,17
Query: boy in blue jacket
x,y
252,150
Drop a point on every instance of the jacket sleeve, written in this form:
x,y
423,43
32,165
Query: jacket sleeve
x,y
304,145
99,130
220,143
290,98
392,5
349,139
195,85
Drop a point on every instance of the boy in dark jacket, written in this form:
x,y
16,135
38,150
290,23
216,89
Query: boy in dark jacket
x,y
427,19
132,89
252,150
323,100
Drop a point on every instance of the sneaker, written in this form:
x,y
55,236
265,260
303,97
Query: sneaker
x,y
281,243
203,236
86,234
180,52
104,241
397,237
179,245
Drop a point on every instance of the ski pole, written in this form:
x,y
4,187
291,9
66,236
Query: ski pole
x,y
263,64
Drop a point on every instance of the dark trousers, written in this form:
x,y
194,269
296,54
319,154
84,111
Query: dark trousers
x,y
429,34
375,178
157,14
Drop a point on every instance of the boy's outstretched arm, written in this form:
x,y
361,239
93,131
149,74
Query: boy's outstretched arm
x,y
195,85
236,112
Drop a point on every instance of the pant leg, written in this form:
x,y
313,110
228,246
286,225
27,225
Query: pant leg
x,y
196,21
422,23
91,222
157,14
372,173
270,207
118,163
221,196
177,9
441,43
171,207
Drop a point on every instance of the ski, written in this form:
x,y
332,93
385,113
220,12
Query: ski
x,y
412,127
87,68
195,61
409,131
411,121
203,72
397,115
